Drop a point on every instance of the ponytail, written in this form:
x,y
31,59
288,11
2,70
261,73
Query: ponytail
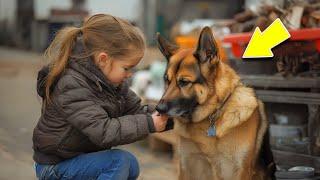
x,y
58,54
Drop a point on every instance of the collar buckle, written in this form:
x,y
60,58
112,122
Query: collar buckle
x,y
216,114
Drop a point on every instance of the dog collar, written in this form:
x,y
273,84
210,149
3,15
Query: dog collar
x,y
216,114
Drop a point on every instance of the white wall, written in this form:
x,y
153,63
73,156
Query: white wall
x,y
128,9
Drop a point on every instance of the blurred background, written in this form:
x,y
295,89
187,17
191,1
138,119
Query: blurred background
x,y
289,83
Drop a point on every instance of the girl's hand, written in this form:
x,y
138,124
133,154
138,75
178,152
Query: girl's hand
x,y
159,121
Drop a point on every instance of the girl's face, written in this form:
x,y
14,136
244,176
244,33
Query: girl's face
x,y
116,70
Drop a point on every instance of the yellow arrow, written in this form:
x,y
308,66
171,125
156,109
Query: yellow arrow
x,y
261,43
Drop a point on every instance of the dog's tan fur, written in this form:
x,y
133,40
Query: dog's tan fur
x,y
234,152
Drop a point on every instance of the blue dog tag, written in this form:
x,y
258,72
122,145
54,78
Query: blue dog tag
x,y
212,131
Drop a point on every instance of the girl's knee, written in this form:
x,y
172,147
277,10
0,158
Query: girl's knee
x,y
134,167
127,158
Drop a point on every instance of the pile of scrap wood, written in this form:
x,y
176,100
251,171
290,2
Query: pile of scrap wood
x,y
297,58
292,58
294,14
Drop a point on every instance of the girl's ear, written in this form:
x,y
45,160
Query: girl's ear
x,y
102,59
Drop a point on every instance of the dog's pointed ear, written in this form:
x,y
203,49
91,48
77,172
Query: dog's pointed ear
x,y
166,48
207,47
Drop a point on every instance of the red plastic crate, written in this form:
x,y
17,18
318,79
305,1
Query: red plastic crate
x,y
240,41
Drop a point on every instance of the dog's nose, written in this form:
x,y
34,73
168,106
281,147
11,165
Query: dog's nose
x,y
162,108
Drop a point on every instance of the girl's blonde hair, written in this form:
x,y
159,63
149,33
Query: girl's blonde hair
x,y
101,32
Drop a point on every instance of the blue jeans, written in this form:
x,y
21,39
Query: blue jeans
x,y
109,164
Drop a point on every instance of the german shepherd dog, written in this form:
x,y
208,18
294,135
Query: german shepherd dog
x,y
221,125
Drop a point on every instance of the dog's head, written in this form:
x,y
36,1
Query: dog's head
x,y
191,78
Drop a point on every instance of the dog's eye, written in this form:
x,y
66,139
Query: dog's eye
x,y
183,82
165,77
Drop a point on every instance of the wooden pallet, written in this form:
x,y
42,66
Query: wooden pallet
x,y
311,99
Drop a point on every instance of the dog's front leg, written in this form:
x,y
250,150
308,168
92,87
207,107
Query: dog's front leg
x,y
192,164
195,167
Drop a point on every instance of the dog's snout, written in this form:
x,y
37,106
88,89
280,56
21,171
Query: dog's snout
x,y
162,108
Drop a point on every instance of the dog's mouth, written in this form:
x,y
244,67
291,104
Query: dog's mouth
x,y
180,108
178,113
184,116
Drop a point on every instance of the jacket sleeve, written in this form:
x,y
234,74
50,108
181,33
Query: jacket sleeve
x,y
92,120
133,106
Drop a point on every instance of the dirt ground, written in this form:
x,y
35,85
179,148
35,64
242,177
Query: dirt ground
x,y
19,112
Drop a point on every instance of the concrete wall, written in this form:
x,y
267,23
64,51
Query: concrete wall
x,y
8,11
42,7
128,9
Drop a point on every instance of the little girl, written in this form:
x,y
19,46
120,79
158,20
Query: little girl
x,y
87,105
